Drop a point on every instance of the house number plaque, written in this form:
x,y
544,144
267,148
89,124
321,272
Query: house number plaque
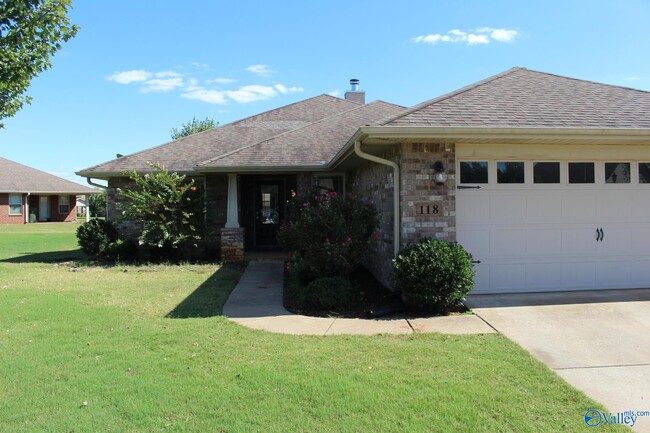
x,y
429,209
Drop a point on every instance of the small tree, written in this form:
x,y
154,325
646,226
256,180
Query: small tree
x,y
97,204
31,31
193,126
169,207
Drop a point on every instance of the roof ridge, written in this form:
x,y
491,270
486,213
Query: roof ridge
x,y
585,81
450,95
225,155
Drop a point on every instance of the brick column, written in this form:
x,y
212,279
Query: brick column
x,y
232,244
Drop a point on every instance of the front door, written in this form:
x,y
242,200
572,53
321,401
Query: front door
x,y
269,212
43,208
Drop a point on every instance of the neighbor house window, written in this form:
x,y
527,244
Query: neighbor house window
x,y
617,172
546,172
644,172
64,204
474,172
581,172
510,172
15,204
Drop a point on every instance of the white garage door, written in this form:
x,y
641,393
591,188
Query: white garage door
x,y
549,225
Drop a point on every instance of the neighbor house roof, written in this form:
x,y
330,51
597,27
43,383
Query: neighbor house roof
x,y
522,98
313,145
19,178
185,153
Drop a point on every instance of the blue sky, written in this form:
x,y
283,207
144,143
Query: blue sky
x,y
138,68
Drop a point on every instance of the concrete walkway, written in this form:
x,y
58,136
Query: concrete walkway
x,y
256,302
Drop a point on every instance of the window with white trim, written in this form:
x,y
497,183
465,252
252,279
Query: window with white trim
x,y
327,184
15,204
64,204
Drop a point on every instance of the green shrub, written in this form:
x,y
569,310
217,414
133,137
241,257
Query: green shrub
x,y
327,293
433,276
95,237
327,235
122,251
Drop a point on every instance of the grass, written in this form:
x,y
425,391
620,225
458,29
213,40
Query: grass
x,y
145,349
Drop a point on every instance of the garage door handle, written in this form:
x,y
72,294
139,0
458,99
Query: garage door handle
x,y
600,234
468,187
476,261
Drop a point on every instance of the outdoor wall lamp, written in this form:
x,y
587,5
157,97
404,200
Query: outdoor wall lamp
x,y
440,177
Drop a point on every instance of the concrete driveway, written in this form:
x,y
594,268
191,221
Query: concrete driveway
x,y
598,341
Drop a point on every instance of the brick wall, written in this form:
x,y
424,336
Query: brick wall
x,y
216,208
374,183
232,244
5,218
419,193
126,229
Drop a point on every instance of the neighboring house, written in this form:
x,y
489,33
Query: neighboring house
x,y
544,179
28,195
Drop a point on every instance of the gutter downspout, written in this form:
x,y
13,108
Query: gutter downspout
x,y
105,188
396,190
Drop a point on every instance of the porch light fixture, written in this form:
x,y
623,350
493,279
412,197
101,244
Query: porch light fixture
x,y
440,177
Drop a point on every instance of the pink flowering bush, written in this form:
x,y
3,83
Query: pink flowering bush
x,y
327,235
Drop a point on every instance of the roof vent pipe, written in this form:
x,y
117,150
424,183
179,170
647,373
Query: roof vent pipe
x,y
354,85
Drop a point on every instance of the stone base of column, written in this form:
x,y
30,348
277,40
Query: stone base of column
x,y
232,244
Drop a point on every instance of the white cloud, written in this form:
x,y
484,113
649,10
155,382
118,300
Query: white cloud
x,y
335,93
483,35
206,95
251,93
284,90
200,65
167,74
160,85
221,80
261,70
128,77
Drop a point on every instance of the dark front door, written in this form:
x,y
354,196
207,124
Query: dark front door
x,y
269,211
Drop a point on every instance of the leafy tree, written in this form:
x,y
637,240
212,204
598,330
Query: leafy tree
x,y
193,126
169,207
97,203
31,31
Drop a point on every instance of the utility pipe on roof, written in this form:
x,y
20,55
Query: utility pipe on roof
x,y
396,214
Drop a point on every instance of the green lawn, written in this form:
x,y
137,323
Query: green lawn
x,y
143,349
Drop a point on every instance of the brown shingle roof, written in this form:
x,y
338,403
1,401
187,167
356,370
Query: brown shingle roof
x,y
15,177
312,145
524,98
185,153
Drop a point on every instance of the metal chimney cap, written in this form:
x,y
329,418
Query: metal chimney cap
x,y
354,84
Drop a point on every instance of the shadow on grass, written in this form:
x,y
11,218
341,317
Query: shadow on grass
x,y
208,299
46,257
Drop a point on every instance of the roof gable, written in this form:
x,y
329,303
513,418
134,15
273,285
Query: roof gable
x,y
187,152
313,145
19,178
525,98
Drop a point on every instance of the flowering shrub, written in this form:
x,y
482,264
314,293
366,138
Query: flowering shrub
x,y
327,234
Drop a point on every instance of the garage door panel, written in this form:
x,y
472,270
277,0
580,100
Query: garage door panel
x,y
616,242
544,207
543,242
507,243
507,208
482,278
640,273
477,242
579,275
640,241
614,205
578,241
510,277
541,276
578,205
613,274
475,209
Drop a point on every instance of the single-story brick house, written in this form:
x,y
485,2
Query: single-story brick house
x,y
28,195
544,179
